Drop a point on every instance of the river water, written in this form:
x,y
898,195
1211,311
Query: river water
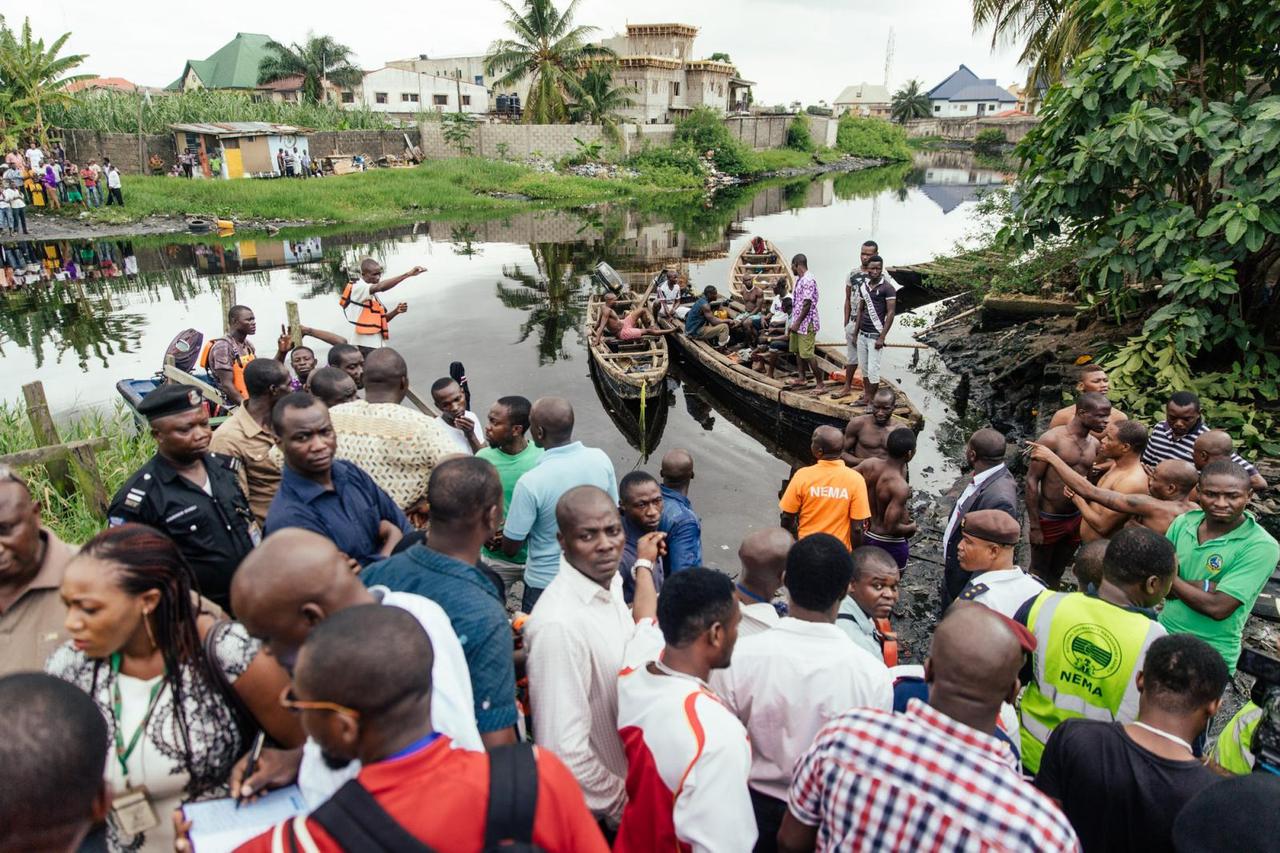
x,y
507,298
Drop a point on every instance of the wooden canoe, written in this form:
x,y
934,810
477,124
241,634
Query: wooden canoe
x,y
769,266
788,409
627,367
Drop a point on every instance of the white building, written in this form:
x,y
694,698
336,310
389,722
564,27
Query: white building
x,y
404,93
864,99
965,95
467,68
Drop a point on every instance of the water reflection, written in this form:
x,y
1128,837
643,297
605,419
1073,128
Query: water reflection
x,y
553,296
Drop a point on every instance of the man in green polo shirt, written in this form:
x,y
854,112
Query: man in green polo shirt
x,y
512,453
1224,560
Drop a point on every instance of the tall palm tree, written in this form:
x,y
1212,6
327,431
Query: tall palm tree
x,y
35,76
909,102
553,297
600,101
321,60
1052,32
548,51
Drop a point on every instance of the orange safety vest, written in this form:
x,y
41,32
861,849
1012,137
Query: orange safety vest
x,y
373,314
237,367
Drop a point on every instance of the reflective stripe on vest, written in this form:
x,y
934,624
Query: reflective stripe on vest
x,y
1088,653
1234,751
373,314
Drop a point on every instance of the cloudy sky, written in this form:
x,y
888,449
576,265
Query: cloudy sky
x,y
794,49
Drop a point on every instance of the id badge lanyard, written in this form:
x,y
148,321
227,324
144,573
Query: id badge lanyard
x,y
123,751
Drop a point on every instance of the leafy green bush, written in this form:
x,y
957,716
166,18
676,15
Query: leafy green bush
x,y
704,129
989,140
872,137
798,138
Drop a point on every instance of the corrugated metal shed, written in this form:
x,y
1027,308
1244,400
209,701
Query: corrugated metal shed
x,y
241,128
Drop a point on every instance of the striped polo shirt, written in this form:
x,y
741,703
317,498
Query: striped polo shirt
x,y
1162,444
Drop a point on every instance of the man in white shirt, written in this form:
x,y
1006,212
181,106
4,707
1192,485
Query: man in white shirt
x,y
987,538
365,310
763,557
687,755
287,586
35,158
113,183
461,424
786,683
577,639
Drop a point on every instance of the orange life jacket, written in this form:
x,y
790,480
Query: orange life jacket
x,y
373,314
238,365
888,641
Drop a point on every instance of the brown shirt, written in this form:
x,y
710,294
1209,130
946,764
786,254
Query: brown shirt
x,y
32,627
244,438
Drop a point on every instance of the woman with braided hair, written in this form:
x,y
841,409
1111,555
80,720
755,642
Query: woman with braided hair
x,y
182,695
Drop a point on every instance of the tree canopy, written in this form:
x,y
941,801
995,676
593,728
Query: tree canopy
x,y
1158,157
550,53
910,102
320,60
33,77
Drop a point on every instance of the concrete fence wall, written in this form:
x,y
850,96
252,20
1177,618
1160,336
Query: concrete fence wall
x,y
120,148
965,129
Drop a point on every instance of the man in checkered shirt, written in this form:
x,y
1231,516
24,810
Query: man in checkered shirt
x,y
934,777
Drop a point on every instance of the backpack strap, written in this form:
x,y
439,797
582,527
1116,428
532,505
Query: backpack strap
x,y
513,795
355,820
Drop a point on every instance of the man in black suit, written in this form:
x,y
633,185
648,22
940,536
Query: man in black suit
x,y
991,487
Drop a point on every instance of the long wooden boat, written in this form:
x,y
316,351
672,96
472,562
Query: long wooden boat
x,y
640,423
771,399
629,368
769,266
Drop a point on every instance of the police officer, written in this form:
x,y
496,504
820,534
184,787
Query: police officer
x,y
985,551
189,493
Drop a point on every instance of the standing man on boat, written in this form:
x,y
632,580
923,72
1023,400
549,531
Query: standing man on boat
x,y
804,326
877,301
372,321
226,357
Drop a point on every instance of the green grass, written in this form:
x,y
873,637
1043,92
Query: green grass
x,y
775,159
69,516
456,188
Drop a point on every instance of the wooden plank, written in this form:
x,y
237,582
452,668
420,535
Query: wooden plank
x,y
43,455
183,378
420,404
295,323
46,433
228,291
84,466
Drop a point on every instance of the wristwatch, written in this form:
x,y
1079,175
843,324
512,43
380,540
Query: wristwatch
x,y
642,563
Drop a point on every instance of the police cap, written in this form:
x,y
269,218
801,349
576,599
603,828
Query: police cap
x,y
992,525
169,399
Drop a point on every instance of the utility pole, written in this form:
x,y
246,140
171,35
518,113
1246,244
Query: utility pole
x,y
457,76
888,58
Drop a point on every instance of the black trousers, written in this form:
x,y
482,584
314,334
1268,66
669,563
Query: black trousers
x,y
113,195
769,813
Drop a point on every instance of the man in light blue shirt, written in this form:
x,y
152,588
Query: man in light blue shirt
x,y
531,515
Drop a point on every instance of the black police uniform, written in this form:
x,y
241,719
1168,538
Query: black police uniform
x,y
214,531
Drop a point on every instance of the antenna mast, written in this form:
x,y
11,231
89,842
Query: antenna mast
x,y
888,58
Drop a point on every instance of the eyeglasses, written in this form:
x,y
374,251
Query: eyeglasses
x,y
290,702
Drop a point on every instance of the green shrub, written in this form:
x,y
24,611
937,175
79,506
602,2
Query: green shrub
x,y
989,140
704,129
798,138
872,137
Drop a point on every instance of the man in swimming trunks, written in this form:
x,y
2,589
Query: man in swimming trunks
x,y
638,323
1052,517
891,526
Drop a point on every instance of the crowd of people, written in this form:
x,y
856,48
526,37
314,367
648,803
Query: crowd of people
x,y
47,179
386,606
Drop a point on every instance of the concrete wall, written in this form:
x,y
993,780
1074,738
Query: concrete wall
x,y
373,143
521,140
121,148
965,129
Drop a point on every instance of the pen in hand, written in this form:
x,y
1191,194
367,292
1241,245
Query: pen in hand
x,y
252,766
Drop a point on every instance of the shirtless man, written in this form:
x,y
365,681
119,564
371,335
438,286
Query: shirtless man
x,y
1090,378
1122,444
865,436
752,317
1052,517
638,323
888,492
1167,497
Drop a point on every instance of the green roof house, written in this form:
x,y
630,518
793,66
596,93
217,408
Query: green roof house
x,y
232,66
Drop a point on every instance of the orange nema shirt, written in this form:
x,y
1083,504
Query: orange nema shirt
x,y
825,497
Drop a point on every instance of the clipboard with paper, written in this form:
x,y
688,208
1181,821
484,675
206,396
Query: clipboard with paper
x,y
219,826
